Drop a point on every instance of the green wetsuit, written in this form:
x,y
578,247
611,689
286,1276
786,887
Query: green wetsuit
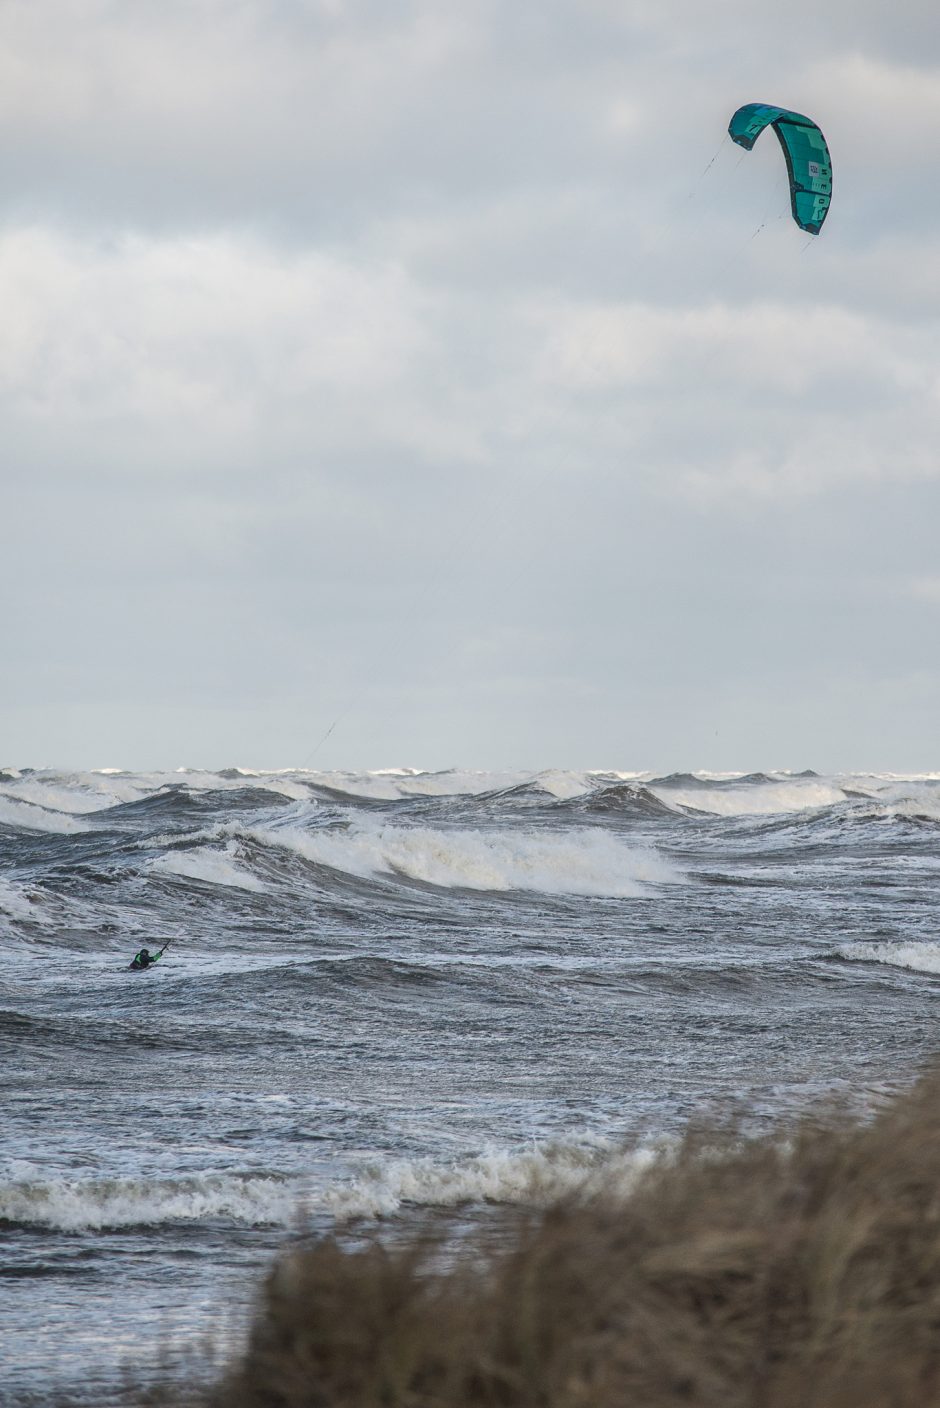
x,y
144,959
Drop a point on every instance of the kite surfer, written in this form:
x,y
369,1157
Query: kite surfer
x,y
145,959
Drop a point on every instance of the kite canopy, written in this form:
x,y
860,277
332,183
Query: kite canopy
x,y
809,165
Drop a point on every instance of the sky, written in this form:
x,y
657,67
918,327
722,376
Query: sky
x,y
432,383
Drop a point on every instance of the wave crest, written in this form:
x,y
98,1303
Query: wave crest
x,y
78,1205
209,866
534,1176
579,862
531,1176
918,957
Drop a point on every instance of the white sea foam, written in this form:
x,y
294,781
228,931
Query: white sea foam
x,y
392,784
915,797
285,787
211,866
15,902
755,799
564,785
580,862
919,957
14,812
915,800
533,1176
80,792
75,1205
280,782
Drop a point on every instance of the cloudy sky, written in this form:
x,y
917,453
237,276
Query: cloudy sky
x,y
398,365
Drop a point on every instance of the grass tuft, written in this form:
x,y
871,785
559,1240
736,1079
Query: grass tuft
x,y
740,1274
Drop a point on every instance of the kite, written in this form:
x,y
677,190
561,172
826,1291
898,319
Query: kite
x,y
809,165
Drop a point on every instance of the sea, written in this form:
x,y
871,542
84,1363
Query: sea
x,y
388,996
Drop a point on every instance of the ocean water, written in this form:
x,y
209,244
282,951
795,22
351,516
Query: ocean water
x,y
392,992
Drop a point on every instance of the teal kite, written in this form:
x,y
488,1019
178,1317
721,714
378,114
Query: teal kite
x,y
809,165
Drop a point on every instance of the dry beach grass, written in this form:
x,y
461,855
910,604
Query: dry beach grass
x,y
768,1274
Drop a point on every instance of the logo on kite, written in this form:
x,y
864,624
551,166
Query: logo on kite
x,y
809,165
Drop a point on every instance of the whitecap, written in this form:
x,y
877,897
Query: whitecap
x,y
585,861
75,1205
918,957
210,866
534,1176
755,799
36,818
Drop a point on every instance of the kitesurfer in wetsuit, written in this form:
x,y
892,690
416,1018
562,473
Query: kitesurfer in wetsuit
x,y
144,959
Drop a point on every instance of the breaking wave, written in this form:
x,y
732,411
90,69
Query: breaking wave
x,y
578,862
209,866
16,812
78,1205
14,901
759,798
533,1176
918,957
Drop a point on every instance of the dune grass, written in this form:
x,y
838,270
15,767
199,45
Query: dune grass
x,y
775,1273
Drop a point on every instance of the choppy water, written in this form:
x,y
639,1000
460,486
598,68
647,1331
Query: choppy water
x,y
403,990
